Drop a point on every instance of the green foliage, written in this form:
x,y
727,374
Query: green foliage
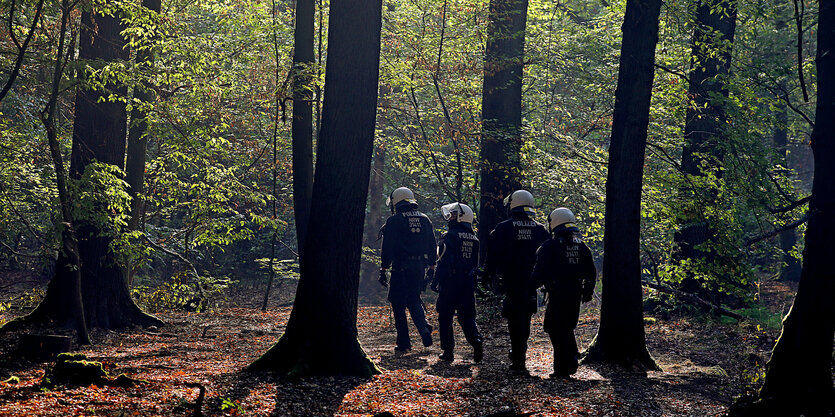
x,y
284,269
182,292
20,303
220,79
762,316
230,406
100,198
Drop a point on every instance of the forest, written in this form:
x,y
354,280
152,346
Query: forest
x,y
195,197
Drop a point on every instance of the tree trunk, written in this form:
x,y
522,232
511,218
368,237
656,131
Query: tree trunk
x,y
98,136
303,85
321,335
138,141
790,267
704,133
501,110
798,377
620,338
63,294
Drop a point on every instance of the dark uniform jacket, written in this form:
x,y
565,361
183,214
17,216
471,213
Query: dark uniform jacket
x,y
455,275
511,252
564,265
408,248
407,236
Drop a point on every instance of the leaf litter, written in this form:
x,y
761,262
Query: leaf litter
x,y
705,364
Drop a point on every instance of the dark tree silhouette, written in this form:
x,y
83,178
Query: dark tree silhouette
x,y
99,134
501,110
790,267
798,377
620,338
303,86
321,334
713,37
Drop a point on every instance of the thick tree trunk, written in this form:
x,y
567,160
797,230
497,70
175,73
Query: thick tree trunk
x,y
303,86
620,338
138,141
321,335
798,377
501,110
99,135
713,37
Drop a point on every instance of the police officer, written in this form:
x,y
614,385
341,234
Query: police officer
x,y
455,280
408,249
511,253
565,267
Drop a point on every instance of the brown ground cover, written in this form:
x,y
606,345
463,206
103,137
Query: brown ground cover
x,y
705,364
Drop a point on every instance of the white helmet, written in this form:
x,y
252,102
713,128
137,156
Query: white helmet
x,y
463,213
400,194
561,217
519,198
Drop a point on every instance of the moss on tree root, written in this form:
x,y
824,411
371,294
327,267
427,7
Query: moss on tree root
x,y
75,369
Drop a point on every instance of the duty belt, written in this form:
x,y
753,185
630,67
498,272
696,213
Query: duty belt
x,y
398,263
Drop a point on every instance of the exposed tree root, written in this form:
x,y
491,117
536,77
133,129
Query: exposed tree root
x,y
290,358
637,359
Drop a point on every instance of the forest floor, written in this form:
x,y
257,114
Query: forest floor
x,y
705,362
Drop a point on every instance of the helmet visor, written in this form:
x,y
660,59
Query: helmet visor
x,y
449,209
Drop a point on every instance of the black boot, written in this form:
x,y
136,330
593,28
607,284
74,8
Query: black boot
x,y
426,336
478,352
447,356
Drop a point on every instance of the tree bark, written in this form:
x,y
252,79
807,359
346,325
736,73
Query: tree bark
x,y
303,85
620,338
705,119
798,377
321,334
501,111
98,136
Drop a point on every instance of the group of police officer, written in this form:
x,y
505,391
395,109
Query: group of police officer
x,y
521,257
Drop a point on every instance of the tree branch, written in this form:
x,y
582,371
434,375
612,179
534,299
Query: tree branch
x,y
172,253
798,18
21,48
790,207
752,240
681,75
23,219
16,253
692,299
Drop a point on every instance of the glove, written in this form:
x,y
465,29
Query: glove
x,y
586,298
428,278
384,280
482,282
